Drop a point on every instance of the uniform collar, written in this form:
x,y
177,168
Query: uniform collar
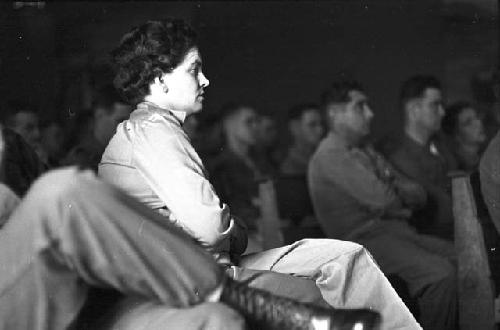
x,y
179,115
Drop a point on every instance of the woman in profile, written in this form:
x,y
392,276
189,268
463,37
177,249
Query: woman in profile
x,y
465,136
159,68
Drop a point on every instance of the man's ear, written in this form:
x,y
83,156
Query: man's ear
x,y
411,108
332,111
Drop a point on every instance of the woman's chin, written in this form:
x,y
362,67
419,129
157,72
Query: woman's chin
x,y
197,108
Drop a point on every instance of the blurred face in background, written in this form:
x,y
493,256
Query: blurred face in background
x,y
106,120
469,127
25,123
52,139
308,129
242,126
428,110
266,131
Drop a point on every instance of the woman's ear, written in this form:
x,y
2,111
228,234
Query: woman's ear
x,y
162,83
158,85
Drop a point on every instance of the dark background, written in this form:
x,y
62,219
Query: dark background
x,y
270,54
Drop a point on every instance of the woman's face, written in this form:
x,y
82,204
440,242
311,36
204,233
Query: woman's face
x,y
470,127
186,84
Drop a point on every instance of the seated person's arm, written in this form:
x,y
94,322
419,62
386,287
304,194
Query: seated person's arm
x,y
439,194
238,190
346,171
173,170
411,193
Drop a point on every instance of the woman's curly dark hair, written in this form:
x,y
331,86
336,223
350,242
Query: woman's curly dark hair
x,y
148,51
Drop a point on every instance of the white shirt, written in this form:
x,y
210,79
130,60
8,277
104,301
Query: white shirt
x,y
152,159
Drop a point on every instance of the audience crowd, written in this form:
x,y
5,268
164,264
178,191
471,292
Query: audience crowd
x,y
392,196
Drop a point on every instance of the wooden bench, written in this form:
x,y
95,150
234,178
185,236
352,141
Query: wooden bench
x,y
475,290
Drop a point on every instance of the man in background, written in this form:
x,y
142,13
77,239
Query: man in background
x,y
357,195
108,111
419,157
306,130
22,118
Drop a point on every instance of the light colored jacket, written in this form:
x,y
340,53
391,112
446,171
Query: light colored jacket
x,y
151,158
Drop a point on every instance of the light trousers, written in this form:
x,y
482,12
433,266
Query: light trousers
x,y
72,232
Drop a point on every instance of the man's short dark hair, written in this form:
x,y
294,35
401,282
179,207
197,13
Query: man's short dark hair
x,y
232,108
415,86
338,92
297,111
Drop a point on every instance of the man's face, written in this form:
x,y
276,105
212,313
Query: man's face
x,y
243,126
309,128
266,132
26,125
356,115
52,138
429,110
186,84
107,121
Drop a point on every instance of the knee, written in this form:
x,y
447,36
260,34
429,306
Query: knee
x,y
55,184
332,247
55,187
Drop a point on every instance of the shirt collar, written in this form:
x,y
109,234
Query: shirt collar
x,y
179,115
414,146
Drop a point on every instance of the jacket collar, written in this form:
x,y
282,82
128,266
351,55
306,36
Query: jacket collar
x,y
179,115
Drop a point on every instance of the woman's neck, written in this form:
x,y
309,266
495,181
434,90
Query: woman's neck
x,y
154,101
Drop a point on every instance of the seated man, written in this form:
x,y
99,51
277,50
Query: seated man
x,y
420,158
358,196
21,165
22,118
266,146
306,131
71,233
237,171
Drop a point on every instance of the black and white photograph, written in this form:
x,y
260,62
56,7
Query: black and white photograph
x,y
261,165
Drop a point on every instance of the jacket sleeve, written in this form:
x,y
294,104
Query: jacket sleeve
x,y
347,172
171,167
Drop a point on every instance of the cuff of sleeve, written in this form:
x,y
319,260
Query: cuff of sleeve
x,y
229,228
